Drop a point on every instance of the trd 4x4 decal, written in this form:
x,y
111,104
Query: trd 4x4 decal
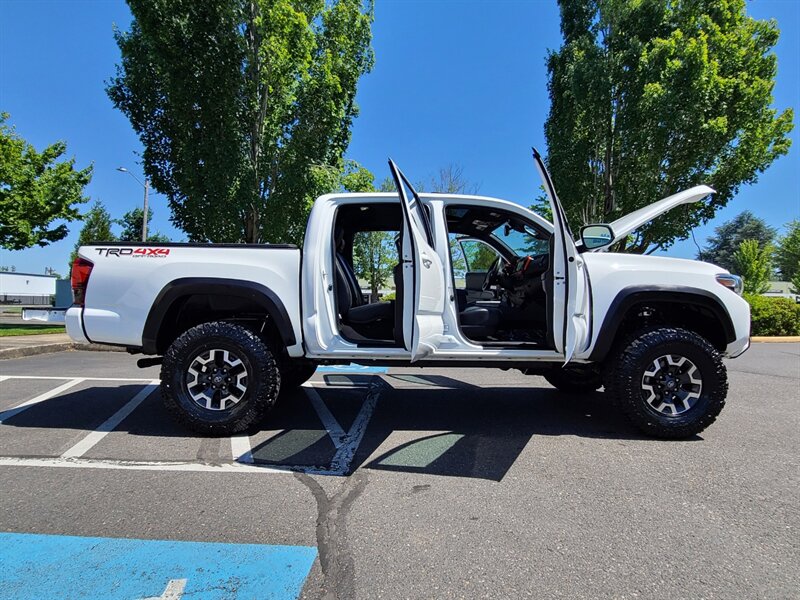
x,y
134,252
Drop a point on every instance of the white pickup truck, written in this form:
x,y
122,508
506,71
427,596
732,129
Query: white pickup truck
x,y
232,324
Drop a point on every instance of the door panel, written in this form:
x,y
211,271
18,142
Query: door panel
x,y
423,274
569,298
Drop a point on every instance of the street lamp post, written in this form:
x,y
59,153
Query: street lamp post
x,y
146,186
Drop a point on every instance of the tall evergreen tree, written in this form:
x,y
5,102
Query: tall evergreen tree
x,y
96,228
131,223
721,247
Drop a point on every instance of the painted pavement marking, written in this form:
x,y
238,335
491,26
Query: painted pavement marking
x,y
240,448
346,452
35,566
40,398
345,443
143,465
91,440
84,378
173,591
330,423
351,368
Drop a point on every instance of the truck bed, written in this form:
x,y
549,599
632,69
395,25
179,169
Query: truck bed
x,y
127,280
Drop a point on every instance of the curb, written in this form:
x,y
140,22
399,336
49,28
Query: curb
x,y
25,351
775,339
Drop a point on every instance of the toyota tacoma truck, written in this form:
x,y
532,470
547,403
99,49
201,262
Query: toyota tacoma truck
x,y
480,282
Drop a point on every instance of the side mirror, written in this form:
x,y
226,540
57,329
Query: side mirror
x,y
596,236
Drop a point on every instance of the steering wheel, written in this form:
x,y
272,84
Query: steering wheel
x,y
491,274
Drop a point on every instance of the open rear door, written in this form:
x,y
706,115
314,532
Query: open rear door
x,y
423,274
570,322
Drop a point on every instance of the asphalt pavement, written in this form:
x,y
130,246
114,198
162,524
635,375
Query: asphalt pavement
x,y
410,483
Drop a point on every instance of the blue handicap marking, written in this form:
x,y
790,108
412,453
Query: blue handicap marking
x,y
351,368
34,566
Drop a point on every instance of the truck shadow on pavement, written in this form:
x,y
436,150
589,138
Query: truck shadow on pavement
x,y
427,424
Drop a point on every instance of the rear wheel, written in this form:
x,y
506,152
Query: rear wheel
x,y
671,383
575,380
219,378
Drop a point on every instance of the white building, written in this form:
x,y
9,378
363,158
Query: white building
x,y
26,288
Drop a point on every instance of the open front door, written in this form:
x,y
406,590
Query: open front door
x,y
423,274
570,322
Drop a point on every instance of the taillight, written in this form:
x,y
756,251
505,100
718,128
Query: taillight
x,y
81,269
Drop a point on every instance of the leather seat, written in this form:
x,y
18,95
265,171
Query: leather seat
x,y
479,320
370,320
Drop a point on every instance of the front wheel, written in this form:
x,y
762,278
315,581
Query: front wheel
x,y
219,378
671,383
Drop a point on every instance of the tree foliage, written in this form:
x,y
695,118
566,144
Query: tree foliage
x,y
795,281
36,191
754,263
787,252
97,225
721,247
244,108
649,98
131,223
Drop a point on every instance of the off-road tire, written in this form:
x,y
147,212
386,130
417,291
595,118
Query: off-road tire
x,y
575,380
628,364
295,372
262,382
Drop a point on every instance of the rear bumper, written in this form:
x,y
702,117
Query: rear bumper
x,y
74,322
46,315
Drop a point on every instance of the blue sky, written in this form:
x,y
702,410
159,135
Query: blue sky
x,y
454,82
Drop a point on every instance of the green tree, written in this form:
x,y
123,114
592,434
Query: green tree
x,y
787,252
795,281
244,108
96,228
721,247
131,223
649,98
36,191
754,263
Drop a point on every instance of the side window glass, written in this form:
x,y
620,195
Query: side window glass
x,y
479,256
457,258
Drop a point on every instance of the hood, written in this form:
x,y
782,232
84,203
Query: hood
x,y
632,221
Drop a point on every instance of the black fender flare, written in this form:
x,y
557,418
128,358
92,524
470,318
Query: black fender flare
x,y
636,294
189,286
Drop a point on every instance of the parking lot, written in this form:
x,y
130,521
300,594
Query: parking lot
x,y
400,483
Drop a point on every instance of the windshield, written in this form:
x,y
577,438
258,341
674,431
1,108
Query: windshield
x,y
520,239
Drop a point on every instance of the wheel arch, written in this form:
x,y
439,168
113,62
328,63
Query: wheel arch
x,y
693,308
163,322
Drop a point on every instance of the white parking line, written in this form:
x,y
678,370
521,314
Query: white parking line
x,y
83,378
130,465
7,414
241,449
330,423
344,455
346,443
87,443
3,378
